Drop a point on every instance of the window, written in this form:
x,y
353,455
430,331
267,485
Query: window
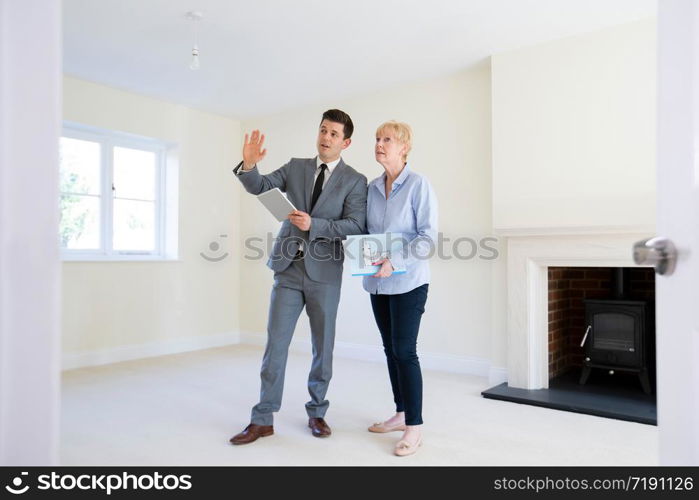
x,y
115,193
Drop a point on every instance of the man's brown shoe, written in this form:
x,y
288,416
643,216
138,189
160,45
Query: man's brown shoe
x,y
319,427
251,433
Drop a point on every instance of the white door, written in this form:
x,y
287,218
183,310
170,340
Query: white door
x,y
30,124
677,322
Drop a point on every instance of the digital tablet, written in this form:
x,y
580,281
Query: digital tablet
x,y
277,204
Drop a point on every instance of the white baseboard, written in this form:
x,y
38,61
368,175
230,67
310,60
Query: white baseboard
x,y
440,362
467,365
349,350
126,353
374,353
251,338
497,375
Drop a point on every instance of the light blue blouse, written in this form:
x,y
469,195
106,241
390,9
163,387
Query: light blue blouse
x,y
411,209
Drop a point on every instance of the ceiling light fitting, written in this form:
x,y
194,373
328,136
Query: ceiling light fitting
x,y
195,16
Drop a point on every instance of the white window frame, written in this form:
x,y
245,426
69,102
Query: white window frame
x,y
165,195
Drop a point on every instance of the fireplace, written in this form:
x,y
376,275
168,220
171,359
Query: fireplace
x,y
539,355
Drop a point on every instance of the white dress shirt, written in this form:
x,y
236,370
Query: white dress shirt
x,y
328,173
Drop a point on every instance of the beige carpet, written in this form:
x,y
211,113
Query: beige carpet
x,y
182,409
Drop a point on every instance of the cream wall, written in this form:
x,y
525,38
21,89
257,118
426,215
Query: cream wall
x,y
574,132
118,310
451,122
572,146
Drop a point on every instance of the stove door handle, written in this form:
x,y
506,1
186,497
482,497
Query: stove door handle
x,y
585,337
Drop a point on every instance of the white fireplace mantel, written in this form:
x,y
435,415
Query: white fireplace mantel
x,y
528,259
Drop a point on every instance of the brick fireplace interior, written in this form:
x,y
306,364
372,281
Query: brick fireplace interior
x,y
568,287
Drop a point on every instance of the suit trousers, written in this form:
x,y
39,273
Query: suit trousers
x,y
292,291
398,318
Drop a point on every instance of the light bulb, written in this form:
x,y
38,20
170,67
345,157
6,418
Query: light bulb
x,y
194,65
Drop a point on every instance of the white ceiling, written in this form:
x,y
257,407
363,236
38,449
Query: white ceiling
x,y
263,56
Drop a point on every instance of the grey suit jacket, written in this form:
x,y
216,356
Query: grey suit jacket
x,y
339,211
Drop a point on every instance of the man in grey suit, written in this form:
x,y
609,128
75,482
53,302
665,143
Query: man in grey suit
x,y
307,258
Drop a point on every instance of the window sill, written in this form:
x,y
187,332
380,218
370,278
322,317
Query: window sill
x,y
116,258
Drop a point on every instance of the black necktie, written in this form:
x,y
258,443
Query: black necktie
x,y
318,186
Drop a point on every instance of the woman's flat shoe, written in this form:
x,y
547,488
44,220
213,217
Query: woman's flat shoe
x,y
381,427
404,448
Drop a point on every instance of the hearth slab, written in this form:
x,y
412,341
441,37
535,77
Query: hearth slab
x,y
621,400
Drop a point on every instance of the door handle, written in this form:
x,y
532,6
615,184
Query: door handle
x,y
658,252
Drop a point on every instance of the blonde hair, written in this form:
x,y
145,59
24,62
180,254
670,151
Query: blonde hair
x,y
402,133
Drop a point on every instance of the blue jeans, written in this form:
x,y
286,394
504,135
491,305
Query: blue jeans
x,y
398,318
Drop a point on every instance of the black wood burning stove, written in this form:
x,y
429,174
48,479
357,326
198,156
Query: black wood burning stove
x,y
619,335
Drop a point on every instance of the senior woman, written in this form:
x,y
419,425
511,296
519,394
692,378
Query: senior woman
x,y
401,201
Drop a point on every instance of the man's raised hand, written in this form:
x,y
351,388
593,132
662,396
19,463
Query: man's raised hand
x,y
252,149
